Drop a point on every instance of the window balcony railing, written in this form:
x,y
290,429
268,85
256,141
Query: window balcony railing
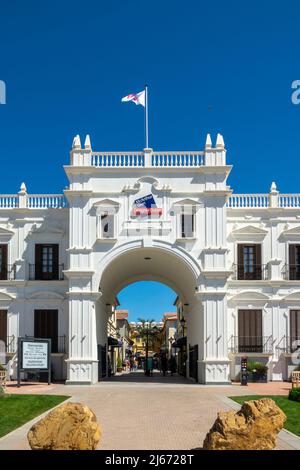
x,y
289,344
251,344
53,273
59,346
8,273
253,272
291,272
11,344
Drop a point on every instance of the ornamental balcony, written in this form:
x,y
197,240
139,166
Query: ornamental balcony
x,y
291,272
8,273
11,344
251,344
289,344
58,343
50,273
253,272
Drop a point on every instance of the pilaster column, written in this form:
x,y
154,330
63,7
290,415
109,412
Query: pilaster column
x,y
214,367
82,364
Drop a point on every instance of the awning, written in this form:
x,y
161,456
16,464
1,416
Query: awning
x,y
114,342
180,342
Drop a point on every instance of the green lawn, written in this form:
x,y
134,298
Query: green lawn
x,y
289,407
16,410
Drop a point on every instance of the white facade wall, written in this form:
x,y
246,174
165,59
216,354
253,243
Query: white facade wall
x,y
200,269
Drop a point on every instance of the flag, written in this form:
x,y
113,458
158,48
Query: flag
x,y
137,98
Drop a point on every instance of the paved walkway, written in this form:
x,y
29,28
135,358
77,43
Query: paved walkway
x,y
137,412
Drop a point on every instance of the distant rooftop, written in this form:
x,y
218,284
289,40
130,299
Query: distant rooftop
x,y
122,314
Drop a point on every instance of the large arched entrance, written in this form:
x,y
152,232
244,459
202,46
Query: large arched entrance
x,y
152,263
201,296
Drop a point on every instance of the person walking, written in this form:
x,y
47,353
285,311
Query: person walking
x,y
164,364
172,365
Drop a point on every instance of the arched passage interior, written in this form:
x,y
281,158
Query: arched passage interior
x,y
152,264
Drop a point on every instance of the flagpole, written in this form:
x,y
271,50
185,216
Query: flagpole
x,y
146,117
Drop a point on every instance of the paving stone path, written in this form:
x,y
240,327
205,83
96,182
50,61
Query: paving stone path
x,y
154,413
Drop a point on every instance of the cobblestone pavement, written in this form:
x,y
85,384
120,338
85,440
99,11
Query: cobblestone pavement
x,y
137,412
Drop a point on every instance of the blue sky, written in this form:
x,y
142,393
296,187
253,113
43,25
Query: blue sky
x,y
211,67
147,299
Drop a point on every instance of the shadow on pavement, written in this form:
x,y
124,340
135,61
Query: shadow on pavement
x,y
157,377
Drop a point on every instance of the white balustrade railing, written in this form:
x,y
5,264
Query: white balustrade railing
x,y
9,201
33,201
237,201
240,201
115,159
177,159
151,159
46,201
289,200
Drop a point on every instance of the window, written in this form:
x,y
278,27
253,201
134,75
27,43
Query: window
x,y
106,219
294,262
187,223
107,225
3,262
294,325
46,326
3,326
249,262
46,262
250,331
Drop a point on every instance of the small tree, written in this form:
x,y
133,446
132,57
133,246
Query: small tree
x,y
149,333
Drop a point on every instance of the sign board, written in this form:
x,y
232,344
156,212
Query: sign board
x,y
34,354
244,372
145,201
146,205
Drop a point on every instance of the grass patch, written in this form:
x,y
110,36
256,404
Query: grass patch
x,y
289,407
16,410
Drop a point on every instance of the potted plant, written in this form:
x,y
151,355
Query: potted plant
x,y
3,375
119,365
257,372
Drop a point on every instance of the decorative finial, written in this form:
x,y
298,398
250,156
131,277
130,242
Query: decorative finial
x,y
273,188
87,142
23,188
220,141
76,142
208,142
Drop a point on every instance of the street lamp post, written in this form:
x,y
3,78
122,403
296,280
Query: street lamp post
x,y
170,348
183,322
147,372
183,352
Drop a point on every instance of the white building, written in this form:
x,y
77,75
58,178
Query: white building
x,y
233,260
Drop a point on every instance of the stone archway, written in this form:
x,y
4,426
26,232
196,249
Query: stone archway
x,y
136,262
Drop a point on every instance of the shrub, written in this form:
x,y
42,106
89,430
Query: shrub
x,y
119,363
294,394
2,367
257,368
2,391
